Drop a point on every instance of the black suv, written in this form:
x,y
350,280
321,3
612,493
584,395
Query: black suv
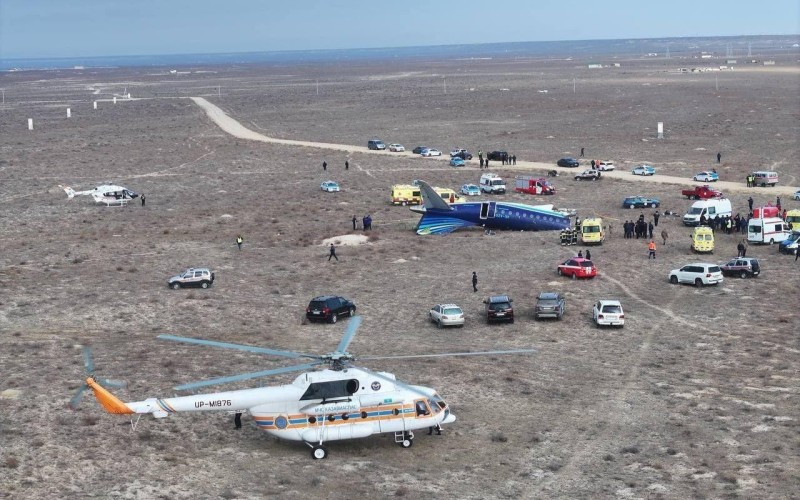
x,y
498,308
497,156
329,308
549,305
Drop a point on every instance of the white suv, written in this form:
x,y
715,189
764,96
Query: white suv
x,y
447,315
608,312
698,274
201,276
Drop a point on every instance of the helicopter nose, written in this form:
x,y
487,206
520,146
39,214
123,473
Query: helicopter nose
x,y
449,419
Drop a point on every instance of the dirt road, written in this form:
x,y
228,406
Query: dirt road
x,y
236,129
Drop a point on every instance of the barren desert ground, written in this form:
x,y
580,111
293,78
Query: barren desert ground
x,y
696,397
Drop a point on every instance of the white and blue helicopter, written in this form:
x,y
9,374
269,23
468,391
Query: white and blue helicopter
x,y
339,402
107,194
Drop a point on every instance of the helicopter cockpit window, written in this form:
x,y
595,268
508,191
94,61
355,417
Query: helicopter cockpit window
x,y
422,408
437,403
331,390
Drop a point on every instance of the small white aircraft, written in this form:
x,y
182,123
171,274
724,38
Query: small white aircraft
x,y
109,194
340,402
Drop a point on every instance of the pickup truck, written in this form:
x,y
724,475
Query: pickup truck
x,y
701,193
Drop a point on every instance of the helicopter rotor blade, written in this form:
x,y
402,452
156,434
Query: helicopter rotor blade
x,y
73,403
349,333
88,362
241,347
247,376
446,354
111,383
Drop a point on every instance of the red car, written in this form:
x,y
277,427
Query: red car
x,y
577,267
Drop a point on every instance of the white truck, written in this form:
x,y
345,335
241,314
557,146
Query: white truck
x,y
767,230
492,183
707,209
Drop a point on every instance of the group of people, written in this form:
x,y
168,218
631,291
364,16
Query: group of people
x,y
640,228
726,223
366,222
505,159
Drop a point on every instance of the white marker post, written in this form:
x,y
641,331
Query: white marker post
x,y
660,130
69,112
95,104
115,99
30,123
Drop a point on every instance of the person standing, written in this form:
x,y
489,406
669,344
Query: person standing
x,y
740,250
355,220
588,254
744,247
239,241
142,199
324,165
592,164
580,254
474,281
650,228
237,420
581,152
655,218
778,203
347,164
719,157
651,250
750,203
514,159
664,236
333,254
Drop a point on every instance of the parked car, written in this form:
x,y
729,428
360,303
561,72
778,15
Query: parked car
x,y
431,152
461,153
447,315
329,308
549,305
706,176
568,162
329,186
457,162
577,267
497,156
643,170
605,166
697,274
376,144
193,277
418,150
588,175
498,308
396,148
608,313
796,195
743,267
470,190
640,202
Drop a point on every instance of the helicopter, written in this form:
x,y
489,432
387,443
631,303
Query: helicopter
x,y
339,402
109,194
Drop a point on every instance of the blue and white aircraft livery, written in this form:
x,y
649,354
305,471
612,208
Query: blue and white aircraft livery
x,y
438,217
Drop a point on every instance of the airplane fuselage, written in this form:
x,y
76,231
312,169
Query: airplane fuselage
x,y
499,215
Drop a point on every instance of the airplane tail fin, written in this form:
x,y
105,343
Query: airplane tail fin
x,y
431,198
108,401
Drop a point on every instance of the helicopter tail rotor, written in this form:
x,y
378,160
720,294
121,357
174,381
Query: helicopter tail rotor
x,y
88,364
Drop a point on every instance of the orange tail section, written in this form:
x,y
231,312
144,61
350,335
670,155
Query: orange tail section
x,y
111,403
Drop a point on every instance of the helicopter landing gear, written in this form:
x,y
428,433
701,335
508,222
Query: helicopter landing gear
x,y
318,452
404,439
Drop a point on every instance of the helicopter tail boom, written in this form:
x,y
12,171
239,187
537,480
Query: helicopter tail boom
x,y
108,401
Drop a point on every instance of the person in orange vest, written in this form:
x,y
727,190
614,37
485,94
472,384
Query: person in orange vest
x,y
651,250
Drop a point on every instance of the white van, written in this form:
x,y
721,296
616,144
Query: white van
x,y
708,208
770,230
492,183
765,178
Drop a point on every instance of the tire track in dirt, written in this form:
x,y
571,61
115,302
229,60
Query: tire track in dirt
x,y
615,408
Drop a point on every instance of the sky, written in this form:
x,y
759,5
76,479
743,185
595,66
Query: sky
x,y
86,28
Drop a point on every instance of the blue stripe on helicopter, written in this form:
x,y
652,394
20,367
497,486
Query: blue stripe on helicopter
x,y
164,406
304,420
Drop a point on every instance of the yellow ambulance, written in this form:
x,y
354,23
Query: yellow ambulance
x,y
406,194
592,231
702,239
